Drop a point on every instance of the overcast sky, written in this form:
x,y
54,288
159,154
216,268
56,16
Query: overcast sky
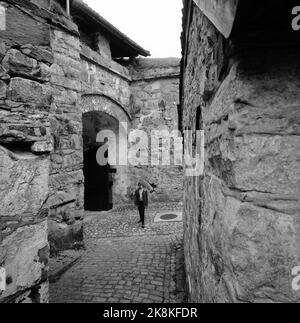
x,y
153,24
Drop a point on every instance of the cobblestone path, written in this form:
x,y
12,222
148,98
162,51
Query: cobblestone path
x,y
124,264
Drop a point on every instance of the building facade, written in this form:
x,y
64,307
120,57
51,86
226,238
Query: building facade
x,y
240,85
63,79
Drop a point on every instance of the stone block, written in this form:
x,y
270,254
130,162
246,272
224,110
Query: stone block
x,y
3,74
22,29
42,147
27,91
3,90
63,236
66,96
241,217
2,50
264,248
36,295
23,183
16,63
41,54
268,164
20,256
65,82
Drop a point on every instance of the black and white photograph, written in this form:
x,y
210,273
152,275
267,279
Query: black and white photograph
x,y
149,154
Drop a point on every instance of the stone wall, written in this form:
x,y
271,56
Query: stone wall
x,y
83,81
241,217
155,99
25,145
144,96
66,177
48,79
106,88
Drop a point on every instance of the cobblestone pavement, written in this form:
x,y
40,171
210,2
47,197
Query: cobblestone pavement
x,y
123,222
124,264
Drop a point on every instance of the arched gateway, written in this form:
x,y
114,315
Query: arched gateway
x,y
103,184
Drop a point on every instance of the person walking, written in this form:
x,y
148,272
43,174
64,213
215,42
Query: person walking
x,y
141,202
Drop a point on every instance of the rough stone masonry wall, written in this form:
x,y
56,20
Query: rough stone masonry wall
x,y
155,89
83,81
242,224
47,71
66,177
48,79
145,94
25,146
106,88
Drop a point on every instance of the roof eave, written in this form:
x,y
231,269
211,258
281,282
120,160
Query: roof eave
x,y
108,27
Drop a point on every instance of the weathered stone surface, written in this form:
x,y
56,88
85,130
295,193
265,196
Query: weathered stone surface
x,y
71,183
66,83
155,101
23,183
46,73
20,256
26,108
145,68
22,29
3,90
63,236
42,147
105,85
21,123
104,104
23,90
2,50
39,294
41,54
93,56
241,226
99,80
16,63
3,74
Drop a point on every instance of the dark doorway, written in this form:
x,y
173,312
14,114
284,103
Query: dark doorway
x,y
98,194
98,183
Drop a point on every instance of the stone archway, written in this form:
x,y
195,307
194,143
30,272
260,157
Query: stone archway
x,y
103,103
108,185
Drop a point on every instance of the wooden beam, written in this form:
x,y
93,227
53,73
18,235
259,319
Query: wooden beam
x,y
220,12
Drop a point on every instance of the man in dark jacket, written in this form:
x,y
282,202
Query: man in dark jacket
x,y
141,201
